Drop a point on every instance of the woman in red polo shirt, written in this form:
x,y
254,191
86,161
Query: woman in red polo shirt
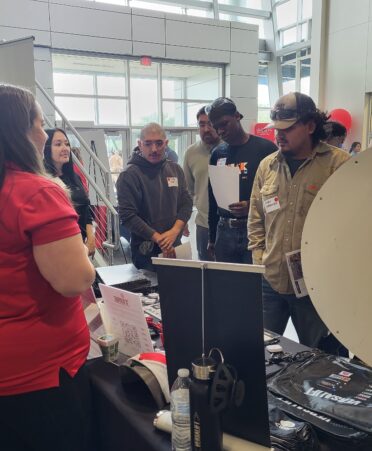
x,y
43,269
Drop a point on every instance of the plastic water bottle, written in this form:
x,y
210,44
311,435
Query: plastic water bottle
x,y
180,408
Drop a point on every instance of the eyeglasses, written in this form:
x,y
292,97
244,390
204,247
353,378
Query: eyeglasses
x,y
158,143
282,114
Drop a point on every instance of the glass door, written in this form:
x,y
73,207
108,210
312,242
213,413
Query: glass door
x,y
118,152
179,141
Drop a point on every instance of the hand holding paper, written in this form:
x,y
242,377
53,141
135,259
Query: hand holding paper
x,y
182,252
239,209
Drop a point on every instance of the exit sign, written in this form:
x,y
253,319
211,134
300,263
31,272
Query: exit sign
x,y
146,60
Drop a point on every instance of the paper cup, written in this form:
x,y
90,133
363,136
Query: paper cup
x,y
109,346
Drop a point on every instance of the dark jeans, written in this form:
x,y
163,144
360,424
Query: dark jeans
x,y
143,252
202,238
231,244
55,419
141,261
278,308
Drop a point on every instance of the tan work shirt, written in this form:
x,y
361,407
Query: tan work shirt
x,y
195,168
273,231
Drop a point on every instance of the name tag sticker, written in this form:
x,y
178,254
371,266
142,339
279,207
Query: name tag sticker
x,y
271,204
172,181
221,162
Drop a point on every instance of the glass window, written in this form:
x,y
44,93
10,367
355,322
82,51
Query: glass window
x,y
177,141
135,133
263,115
286,13
82,64
174,114
253,4
203,83
111,85
305,76
304,32
289,77
199,13
307,9
305,52
69,83
76,108
180,114
104,100
293,79
156,7
190,82
289,36
173,88
192,109
144,93
288,57
112,111
114,146
263,86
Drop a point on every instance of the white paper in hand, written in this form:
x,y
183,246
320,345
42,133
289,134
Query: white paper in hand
x,y
225,184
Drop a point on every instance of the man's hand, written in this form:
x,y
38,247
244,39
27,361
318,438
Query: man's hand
x,y
156,237
186,231
239,209
211,251
168,238
171,253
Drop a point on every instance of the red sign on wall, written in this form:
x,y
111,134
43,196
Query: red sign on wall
x,y
260,130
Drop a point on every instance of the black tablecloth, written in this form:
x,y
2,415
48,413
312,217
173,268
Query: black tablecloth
x,y
123,417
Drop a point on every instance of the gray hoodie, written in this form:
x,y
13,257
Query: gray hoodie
x,y
152,197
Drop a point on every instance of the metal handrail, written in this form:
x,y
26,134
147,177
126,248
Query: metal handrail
x,y
113,243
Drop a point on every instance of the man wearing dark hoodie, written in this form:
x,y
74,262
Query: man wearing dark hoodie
x,y
154,203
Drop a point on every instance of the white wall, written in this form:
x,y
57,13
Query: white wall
x,y
17,62
348,61
99,27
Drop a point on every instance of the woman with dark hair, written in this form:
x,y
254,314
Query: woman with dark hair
x,y
58,162
355,148
44,267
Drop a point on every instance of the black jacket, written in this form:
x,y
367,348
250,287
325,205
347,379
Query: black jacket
x,y
152,197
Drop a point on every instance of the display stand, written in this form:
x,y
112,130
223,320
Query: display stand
x,y
218,305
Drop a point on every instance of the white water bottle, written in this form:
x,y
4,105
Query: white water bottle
x,y
180,408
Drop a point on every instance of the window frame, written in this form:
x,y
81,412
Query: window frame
x,y
128,77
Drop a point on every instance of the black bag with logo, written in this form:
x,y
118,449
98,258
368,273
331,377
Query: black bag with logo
x,y
332,393
288,433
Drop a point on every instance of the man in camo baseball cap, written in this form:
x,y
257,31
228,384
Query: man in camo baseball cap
x,y
289,108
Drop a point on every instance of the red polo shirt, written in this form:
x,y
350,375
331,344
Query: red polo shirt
x,y
41,331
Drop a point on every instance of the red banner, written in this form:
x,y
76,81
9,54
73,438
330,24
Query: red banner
x,y
259,129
